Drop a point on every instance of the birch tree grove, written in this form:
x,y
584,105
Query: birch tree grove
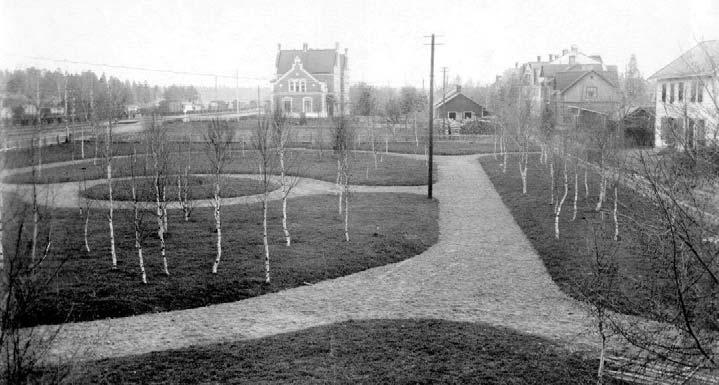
x,y
218,140
156,140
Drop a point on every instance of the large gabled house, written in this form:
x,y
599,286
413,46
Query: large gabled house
x,y
311,82
686,98
572,84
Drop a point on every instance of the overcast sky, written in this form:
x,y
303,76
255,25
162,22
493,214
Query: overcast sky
x,y
385,38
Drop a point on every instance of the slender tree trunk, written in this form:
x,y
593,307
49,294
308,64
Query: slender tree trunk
x,y
494,137
264,238
386,145
602,191
561,202
87,220
218,226
35,220
164,207
339,185
285,193
586,184
110,216
614,212
523,171
138,244
347,200
576,192
602,358
416,136
551,179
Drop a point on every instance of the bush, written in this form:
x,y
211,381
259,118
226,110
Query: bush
x,y
477,127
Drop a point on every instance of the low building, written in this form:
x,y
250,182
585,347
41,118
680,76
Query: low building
x,y
455,106
686,95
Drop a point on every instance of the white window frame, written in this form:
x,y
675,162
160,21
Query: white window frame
x,y
592,97
302,85
285,99
305,99
464,114
452,112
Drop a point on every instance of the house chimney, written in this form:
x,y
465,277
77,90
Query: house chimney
x,y
459,88
574,48
539,57
279,47
304,46
550,57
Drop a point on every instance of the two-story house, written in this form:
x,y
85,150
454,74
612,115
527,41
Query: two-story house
x,y
572,84
311,82
686,98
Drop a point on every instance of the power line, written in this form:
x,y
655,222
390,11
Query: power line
x,y
136,68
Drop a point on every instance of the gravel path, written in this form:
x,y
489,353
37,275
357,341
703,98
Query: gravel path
x,y
483,269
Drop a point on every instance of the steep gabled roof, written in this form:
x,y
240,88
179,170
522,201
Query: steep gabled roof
x,y
315,61
453,95
702,59
565,80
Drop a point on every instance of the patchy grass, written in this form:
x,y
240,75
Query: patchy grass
x,y
569,259
392,170
361,352
384,228
201,187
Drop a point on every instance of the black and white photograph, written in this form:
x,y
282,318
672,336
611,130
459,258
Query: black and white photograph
x,y
359,192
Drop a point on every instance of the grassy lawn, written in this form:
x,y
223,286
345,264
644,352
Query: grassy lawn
x,y
384,228
201,187
360,352
569,259
392,170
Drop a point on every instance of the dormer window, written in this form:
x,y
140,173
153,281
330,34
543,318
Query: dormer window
x,y
298,85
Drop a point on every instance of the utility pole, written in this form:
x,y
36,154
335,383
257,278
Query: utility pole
x,y
67,124
431,119
444,95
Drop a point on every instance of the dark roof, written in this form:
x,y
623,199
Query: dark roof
x,y
314,61
549,70
451,96
700,60
564,79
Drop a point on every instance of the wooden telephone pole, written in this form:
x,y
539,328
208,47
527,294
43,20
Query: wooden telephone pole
x,y
431,119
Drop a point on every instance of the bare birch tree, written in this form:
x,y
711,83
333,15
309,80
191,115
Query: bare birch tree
x,y
156,137
184,192
262,141
218,140
281,135
137,214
